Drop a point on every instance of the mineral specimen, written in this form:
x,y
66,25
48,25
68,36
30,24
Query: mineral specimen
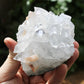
x,y
44,41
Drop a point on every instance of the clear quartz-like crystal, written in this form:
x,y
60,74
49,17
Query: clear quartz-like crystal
x,y
44,41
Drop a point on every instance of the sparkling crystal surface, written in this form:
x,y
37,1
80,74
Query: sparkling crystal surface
x,y
44,41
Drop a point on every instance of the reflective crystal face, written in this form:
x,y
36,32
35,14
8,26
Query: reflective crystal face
x,y
44,41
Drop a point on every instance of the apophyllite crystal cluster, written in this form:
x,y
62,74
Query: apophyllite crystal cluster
x,y
44,41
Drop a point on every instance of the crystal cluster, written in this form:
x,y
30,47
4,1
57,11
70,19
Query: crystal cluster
x,y
44,41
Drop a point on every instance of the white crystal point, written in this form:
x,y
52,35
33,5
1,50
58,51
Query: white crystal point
x,y
44,41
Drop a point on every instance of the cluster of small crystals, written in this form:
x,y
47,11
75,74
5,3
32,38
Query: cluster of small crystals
x,y
47,36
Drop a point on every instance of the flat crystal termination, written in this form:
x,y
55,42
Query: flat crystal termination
x,y
44,41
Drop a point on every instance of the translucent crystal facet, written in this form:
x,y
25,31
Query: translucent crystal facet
x,y
44,41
